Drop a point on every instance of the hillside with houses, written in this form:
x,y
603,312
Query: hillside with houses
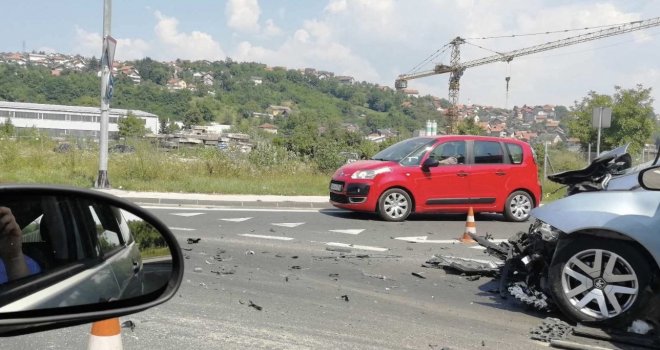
x,y
257,97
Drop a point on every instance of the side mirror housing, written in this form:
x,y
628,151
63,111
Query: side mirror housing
x,y
649,178
71,256
430,163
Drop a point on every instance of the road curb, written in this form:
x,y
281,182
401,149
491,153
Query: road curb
x,y
214,200
221,203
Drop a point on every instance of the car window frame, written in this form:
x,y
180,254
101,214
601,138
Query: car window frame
x,y
104,255
502,149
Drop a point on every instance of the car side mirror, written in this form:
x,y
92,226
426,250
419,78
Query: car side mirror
x,y
70,256
430,163
649,178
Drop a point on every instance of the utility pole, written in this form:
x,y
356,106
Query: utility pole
x,y
102,180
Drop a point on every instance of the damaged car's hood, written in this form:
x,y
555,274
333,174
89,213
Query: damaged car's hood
x,y
635,214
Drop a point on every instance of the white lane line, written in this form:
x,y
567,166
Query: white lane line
x,y
354,246
279,238
187,214
289,224
236,219
350,232
424,239
272,210
182,229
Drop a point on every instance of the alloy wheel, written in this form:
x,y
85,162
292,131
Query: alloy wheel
x,y
599,283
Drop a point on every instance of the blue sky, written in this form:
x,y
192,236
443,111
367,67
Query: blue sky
x,y
371,40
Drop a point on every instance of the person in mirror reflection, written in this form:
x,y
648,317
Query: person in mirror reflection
x,y
13,263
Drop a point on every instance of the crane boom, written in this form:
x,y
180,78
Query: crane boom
x,y
456,68
622,29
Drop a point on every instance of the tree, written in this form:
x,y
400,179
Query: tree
x,y
131,126
632,119
467,126
7,128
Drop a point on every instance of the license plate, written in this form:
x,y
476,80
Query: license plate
x,y
335,187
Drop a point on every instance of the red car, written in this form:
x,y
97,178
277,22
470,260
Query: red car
x,y
446,174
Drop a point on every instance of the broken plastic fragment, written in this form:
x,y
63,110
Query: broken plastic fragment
x,y
640,327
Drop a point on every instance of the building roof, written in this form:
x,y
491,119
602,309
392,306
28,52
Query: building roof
x,y
72,109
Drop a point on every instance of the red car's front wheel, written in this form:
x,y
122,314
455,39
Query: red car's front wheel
x,y
394,205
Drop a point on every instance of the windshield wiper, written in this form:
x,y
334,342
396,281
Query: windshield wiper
x,y
381,159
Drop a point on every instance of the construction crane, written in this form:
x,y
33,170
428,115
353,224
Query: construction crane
x,y
456,68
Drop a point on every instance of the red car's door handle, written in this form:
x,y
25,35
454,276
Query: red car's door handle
x,y
462,174
500,173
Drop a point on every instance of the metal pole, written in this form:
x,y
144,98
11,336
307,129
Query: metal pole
x,y
102,181
589,154
545,161
600,125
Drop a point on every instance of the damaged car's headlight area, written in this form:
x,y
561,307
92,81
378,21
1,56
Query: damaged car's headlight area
x,y
547,232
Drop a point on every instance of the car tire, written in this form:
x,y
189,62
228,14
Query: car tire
x,y
518,206
590,296
394,205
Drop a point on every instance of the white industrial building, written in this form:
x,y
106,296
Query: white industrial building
x,y
58,120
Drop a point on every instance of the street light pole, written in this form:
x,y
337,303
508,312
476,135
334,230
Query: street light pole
x,y
102,181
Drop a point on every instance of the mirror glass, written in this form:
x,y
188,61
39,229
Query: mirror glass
x,y
58,251
651,178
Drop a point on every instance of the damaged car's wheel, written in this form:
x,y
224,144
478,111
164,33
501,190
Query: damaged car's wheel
x,y
600,281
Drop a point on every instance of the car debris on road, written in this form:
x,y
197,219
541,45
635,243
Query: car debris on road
x,y
464,265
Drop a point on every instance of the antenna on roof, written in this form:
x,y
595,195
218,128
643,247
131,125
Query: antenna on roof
x,y
24,46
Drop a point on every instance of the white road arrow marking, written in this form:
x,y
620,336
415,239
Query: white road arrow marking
x,y
236,219
424,239
187,214
182,229
350,232
279,238
289,224
354,246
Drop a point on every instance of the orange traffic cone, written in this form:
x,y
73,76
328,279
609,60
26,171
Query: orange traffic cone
x,y
106,335
470,227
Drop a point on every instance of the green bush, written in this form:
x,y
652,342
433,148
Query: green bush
x,y
145,235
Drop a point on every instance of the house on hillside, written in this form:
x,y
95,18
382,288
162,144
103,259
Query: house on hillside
x,y
346,80
257,80
131,72
269,128
411,92
551,138
276,111
324,74
207,79
175,84
350,127
38,59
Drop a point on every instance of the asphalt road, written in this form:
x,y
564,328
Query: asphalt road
x,y
268,279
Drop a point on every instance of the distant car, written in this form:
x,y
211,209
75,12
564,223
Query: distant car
x,y
416,176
